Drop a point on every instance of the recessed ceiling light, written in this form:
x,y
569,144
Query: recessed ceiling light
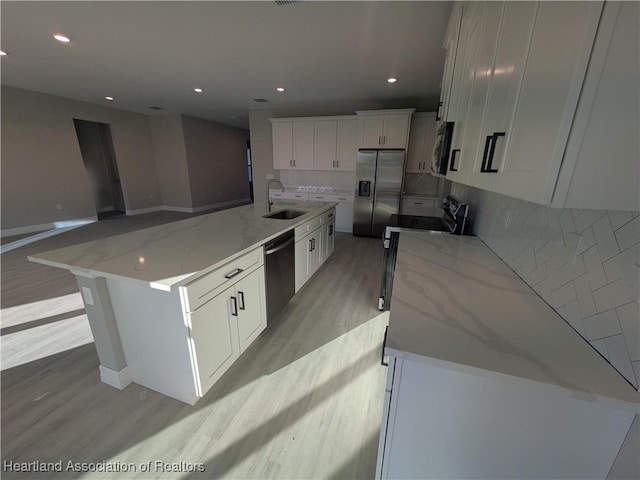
x,y
197,90
109,98
2,53
280,89
392,80
62,38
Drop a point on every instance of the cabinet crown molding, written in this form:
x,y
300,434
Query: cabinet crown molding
x,y
386,112
313,119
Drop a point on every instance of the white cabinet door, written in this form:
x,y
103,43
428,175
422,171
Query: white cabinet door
x,y
461,88
347,145
422,137
315,254
344,217
483,33
370,129
326,135
451,47
303,145
416,145
555,69
395,131
251,307
282,133
506,74
302,250
215,339
329,242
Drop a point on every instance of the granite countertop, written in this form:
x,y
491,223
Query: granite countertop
x,y
174,254
455,301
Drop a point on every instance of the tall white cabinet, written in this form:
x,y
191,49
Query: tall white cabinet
x,y
528,80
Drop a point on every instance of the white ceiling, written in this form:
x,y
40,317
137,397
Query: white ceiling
x,y
154,53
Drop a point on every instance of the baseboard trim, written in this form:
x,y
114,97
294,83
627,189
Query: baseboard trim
x,y
8,232
119,380
141,211
227,204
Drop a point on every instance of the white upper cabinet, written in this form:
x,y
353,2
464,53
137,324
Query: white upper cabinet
x,y
422,135
347,144
303,145
282,133
384,128
315,143
326,144
450,46
601,166
532,98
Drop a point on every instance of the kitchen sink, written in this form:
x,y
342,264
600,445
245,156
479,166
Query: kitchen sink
x,y
284,214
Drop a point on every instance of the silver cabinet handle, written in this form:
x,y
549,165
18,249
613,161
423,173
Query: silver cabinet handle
x,y
232,274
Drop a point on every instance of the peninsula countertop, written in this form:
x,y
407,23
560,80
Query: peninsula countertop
x,y
455,301
174,254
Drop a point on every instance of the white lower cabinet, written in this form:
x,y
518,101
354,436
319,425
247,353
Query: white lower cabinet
x,y
223,328
214,340
444,420
314,244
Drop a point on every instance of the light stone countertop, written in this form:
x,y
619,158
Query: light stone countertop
x,y
455,301
174,254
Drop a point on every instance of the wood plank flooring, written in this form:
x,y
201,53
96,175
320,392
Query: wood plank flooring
x,y
305,401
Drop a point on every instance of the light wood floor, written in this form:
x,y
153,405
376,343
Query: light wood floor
x,y
305,401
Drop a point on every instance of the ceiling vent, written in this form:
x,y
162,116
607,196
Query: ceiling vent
x,y
286,2
156,108
260,100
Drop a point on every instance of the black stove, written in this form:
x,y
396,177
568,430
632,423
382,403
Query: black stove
x,y
452,222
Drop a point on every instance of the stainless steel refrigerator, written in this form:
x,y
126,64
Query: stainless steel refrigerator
x,y
379,175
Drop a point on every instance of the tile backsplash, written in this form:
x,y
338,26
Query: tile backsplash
x,y
584,263
421,184
319,179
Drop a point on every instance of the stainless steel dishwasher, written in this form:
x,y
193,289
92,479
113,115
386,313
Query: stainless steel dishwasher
x,y
280,272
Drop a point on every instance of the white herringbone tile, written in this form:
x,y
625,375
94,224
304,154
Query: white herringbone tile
x,y
584,263
619,218
628,317
601,347
613,295
605,239
595,271
627,235
585,296
602,325
624,266
586,218
619,356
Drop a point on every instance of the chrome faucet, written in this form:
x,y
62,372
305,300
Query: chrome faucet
x,y
269,202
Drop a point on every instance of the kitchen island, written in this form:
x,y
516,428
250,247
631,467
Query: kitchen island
x,y
173,306
486,380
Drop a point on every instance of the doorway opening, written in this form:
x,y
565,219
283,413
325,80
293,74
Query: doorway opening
x,y
250,167
99,160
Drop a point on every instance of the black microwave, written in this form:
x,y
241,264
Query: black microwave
x,y
441,148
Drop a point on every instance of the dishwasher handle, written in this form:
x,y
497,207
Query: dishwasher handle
x,y
273,248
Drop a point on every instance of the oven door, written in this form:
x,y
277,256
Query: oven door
x,y
388,267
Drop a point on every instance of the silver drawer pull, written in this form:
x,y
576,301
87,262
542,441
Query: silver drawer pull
x,y
237,271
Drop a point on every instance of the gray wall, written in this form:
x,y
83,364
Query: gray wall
x,y
171,160
42,165
217,162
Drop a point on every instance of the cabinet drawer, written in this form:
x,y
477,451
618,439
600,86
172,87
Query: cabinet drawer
x,y
295,195
305,228
200,291
323,197
420,206
329,216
